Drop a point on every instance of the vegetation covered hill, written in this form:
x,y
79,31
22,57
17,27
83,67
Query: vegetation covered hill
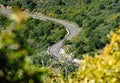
x,y
22,60
16,64
96,18
39,34
22,44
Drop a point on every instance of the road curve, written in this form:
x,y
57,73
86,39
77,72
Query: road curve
x,y
55,48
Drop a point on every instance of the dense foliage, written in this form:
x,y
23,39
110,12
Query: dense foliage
x,y
23,48
15,62
41,34
96,18
103,68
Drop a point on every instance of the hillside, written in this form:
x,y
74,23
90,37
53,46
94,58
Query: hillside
x,y
96,18
24,41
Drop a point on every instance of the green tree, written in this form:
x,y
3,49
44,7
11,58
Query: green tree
x,y
15,62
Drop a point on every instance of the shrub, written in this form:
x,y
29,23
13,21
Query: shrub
x,y
15,64
104,67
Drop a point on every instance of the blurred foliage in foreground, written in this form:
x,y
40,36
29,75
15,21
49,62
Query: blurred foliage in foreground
x,y
15,62
103,68
35,34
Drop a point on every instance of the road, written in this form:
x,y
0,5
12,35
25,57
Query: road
x,y
70,27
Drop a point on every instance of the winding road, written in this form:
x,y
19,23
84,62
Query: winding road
x,y
71,28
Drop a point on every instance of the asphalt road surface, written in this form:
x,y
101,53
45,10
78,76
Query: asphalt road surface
x,y
70,27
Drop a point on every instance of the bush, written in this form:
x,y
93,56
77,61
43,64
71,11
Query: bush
x,y
58,11
87,1
15,62
103,67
